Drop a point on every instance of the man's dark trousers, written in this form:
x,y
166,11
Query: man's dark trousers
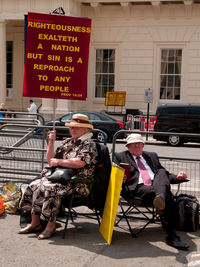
x,y
161,187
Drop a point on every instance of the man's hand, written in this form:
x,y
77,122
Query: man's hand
x,y
124,178
181,176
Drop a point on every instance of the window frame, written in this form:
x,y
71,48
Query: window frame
x,y
180,75
9,65
105,47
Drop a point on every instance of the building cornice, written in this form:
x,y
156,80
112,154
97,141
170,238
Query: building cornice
x,y
15,9
124,3
127,5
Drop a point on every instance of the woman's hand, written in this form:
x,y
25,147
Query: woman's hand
x,y
52,135
54,162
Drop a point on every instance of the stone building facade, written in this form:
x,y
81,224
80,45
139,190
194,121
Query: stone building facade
x,y
135,45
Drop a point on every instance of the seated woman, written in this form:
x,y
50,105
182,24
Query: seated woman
x,y
42,197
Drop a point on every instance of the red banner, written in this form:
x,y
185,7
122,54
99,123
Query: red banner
x,y
56,56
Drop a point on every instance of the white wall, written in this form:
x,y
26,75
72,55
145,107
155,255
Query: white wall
x,y
136,32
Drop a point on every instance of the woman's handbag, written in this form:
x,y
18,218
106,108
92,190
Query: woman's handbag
x,y
61,175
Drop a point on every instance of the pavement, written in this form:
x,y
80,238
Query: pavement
x,y
84,246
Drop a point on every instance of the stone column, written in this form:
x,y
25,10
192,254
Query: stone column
x,y
47,108
2,61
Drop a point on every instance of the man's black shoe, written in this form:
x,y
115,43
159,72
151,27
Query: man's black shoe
x,y
176,243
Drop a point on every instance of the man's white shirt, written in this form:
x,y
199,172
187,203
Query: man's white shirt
x,y
32,108
146,166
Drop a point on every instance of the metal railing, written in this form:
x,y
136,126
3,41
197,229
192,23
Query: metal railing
x,y
189,166
139,122
23,145
22,153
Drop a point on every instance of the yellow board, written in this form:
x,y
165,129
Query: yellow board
x,y
111,204
115,98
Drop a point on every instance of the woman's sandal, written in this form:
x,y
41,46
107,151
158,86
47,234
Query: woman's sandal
x,y
46,234
30,229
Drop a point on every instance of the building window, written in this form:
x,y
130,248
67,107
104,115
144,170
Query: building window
x,y
9,68
104,72
170,74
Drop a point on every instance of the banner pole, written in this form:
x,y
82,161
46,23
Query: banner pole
x,y
54,113
59,11
54,122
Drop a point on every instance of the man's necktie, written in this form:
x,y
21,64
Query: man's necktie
x,y
144,173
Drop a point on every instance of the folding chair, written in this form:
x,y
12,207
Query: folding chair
x,y
72,202
135,209
97,190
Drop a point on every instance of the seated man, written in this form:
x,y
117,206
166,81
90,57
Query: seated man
x,y
151,181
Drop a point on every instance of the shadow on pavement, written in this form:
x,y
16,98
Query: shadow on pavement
x,y
84,246
151,243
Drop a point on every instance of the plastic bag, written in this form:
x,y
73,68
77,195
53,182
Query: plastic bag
x,y
10,195
1,206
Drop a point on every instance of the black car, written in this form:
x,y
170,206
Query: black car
x,y
184,119
100,121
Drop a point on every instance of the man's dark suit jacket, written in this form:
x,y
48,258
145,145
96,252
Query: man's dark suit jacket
x,y
152,160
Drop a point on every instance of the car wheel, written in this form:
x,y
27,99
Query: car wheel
x,y
100,137
174,140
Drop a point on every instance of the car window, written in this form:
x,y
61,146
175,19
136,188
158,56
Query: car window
x,y
94,117
173,110
194,111
67,117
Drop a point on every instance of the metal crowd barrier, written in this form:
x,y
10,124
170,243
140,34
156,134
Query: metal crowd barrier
x,y
22,153
23,147
189,166
139,122
175,165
